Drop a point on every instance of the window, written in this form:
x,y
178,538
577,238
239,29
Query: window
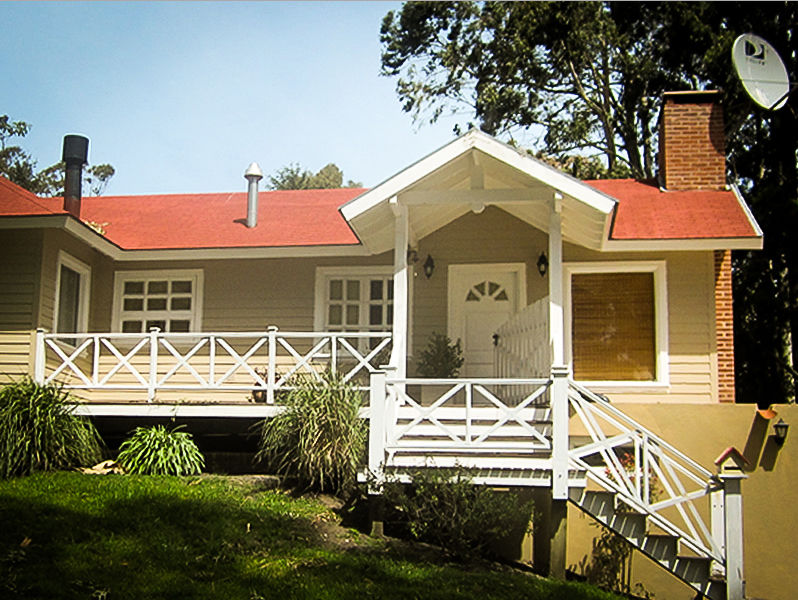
x,y
168,300
617,322
354,299
72,288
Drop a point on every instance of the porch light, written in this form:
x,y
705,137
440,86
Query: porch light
x,y
780,429
429,266
543,264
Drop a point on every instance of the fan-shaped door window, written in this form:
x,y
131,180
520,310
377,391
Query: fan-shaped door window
x,y
487,290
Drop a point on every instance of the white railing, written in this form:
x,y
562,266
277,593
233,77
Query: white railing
x,y
467,422
257,362
645,472
523,348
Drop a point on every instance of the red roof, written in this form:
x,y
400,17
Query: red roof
x,y
645,212
17,201
285,218
311,217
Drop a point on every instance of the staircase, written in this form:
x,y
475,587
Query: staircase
x,y
657,498
554,433
663,548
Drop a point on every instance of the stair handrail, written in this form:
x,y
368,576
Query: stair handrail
x,y
630,491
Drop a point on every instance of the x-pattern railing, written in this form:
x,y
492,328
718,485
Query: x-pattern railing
x,y
230,361
470,415
645,472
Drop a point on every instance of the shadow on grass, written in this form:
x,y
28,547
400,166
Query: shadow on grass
x,y
72,536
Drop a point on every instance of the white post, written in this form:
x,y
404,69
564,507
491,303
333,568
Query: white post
x,y
38,357
733,503
718,528
556,325
153,381
271,375
400,289
559,442
377,413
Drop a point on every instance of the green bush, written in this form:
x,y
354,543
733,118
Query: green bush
x,y
159,451
319,439
441,358
38,431
444,507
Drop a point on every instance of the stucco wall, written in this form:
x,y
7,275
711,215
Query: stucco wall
x,y
770,495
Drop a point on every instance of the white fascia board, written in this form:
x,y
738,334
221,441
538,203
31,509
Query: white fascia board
x,y
744,206
750,243
145,409
536,169
562,182
93,239
401,180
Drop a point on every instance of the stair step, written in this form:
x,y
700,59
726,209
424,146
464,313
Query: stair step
x,y
660,547
693,569
630,525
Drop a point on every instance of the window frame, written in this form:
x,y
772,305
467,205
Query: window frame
x,y
661,353
197,293
325,274
84,291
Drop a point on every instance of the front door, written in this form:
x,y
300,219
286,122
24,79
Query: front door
x,y
481,299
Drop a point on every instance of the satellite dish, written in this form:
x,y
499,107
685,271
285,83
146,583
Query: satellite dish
x,y
761,71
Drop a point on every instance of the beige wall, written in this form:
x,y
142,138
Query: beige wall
x,y
770,494
20,259
241,295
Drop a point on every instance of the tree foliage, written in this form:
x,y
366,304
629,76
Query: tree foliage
x,y
586,78
294,177
21,168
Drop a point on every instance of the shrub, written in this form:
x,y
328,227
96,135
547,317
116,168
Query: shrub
x,y
39,432
158,451
441,358
444,507
319,438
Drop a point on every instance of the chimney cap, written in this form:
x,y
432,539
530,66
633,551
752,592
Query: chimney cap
x,y
76,149
253,172
691,95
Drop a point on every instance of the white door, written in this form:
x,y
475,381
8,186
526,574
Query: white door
x,y
481,299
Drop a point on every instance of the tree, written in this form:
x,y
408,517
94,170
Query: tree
x,y
20,167
294,177
590,76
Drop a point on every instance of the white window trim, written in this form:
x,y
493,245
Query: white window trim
x,y
84,271
196,275
659,269
323,274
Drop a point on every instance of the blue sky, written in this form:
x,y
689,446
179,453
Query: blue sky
x,y
182,96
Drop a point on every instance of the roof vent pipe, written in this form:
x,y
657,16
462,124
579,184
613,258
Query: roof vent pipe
x,y
253,175
75,155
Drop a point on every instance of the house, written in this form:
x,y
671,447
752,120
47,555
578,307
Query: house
x,y
573,291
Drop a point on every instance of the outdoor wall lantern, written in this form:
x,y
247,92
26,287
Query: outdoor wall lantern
x,y
780,429
429,266
543,264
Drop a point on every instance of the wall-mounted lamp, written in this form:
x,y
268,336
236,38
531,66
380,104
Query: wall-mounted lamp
x,y
429,266
780,430
543,264
412,255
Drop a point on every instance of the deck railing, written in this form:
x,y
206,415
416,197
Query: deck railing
x,y
262,363
522,347
647,473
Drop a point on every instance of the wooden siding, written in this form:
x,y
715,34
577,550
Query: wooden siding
x,y
493,236
20,260
691,329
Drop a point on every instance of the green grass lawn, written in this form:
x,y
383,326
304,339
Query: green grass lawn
x,y
67,535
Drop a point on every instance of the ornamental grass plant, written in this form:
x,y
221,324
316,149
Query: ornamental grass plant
x,y
39,432
160,451
319,439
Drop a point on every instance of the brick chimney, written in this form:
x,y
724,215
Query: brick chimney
x,y
692,145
